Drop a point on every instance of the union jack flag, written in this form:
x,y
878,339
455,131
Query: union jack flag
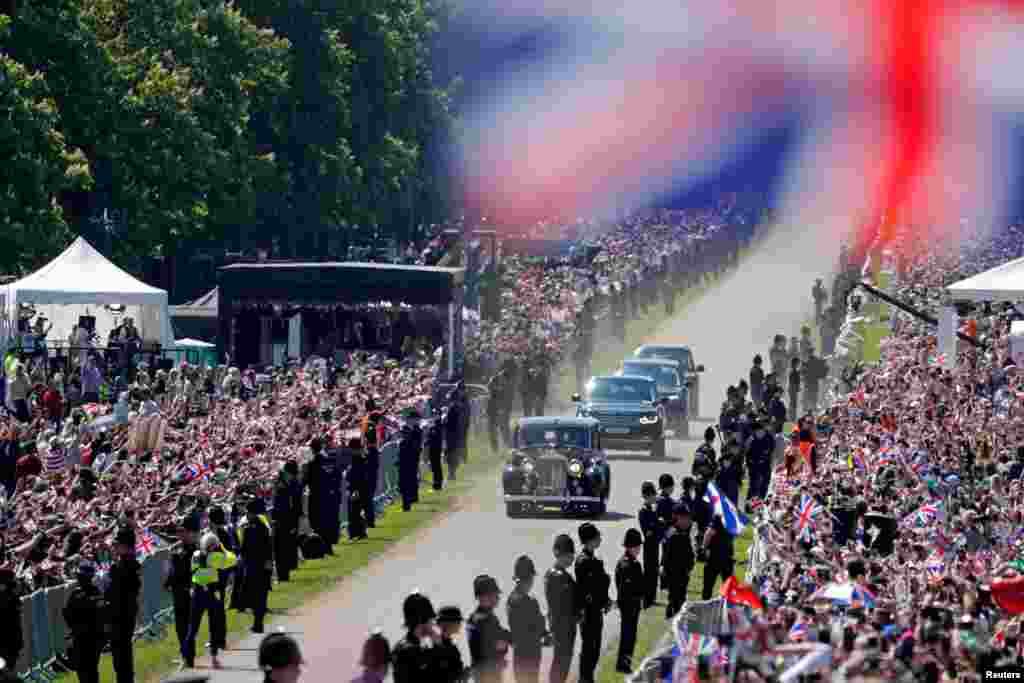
x,y
936,568
798,632
194,471
102,577
884,457
927,514
146,544
856,461
809,509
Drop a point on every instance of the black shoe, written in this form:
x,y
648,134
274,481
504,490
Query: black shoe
x,y
257,629
623,669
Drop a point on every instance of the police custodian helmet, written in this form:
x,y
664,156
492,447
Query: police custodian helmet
x,y
524,568
588,532
633,539
417,610
278,651
564,545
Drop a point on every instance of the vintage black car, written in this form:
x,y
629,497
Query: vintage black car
x,y
556,462
671,389
632,416
690,372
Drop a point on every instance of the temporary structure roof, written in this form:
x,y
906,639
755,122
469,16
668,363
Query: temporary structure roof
x,y
1002,283
82,275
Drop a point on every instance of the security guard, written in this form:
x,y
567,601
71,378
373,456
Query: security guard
x,y
496,394
526,622
257,550
414,663
653,533
665,501
449,619
488,639
83,613
355,481
592,583
629,593
207,564
677,561
718,545
179,580
704,460
122,598
10,616
286,516
563,607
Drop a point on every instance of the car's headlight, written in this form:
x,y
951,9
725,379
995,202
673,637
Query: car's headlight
x,y
575,468
650,419
527,466
584,412
674,397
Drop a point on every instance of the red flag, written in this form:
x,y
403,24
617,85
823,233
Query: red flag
x,y
1009,594
741,594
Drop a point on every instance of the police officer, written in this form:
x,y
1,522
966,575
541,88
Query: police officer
x,y
677,560
412,662
563,607
449,620
286,516
759,449
653,533
10,617
730,469
355,480
257,550
122,599
435,449
373,437
409,450
488,639
324,481
718,546
704,460
179,580
592,583
228,538
83,613
630,594
665,502
526,622
455,423
208,563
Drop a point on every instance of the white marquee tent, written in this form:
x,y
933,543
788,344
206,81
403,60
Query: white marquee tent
x,y
1002,283
83,282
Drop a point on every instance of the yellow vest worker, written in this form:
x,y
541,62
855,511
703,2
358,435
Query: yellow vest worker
x,y
207,562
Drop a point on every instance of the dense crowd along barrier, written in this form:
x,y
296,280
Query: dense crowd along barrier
x,y
42,611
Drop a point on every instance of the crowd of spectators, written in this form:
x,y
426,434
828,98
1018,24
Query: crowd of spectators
x,y
891,548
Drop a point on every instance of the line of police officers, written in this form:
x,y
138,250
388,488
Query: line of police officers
x,y
576,588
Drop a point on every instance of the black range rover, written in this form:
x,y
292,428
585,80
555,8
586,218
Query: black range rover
x,y
631,415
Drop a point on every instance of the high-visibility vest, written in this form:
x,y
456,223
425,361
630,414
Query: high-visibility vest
x,y
241,527
205,573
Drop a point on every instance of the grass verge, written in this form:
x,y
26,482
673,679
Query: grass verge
x,y
653,626
154,658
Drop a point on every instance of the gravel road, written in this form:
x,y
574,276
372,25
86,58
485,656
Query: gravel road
x,y
725,328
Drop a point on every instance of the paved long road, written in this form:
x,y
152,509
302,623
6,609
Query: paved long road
x,y
725,328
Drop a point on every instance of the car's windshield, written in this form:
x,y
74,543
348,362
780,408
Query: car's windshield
x,y
620,389
540,435
664,376
681,355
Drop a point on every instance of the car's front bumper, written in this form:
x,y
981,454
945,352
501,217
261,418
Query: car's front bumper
x,y
550,500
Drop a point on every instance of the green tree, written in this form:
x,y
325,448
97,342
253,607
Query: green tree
x,y
38,165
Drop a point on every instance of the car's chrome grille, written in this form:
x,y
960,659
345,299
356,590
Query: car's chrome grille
x,y
607,419
551,474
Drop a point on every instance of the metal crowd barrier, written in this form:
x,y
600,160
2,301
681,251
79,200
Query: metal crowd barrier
x,y
42,612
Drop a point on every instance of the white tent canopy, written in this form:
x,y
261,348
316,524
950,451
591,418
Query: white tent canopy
x,y
1002,283
83,282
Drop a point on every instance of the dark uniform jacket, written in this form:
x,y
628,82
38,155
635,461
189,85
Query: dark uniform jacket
x,y
760,450
179,580
651,525
256,548
629,584
83,613
560,593
450,665
414,664
10,617
526,623
483,631
663,506
287,503
705,461
677,559
720,550
122,595
592,583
